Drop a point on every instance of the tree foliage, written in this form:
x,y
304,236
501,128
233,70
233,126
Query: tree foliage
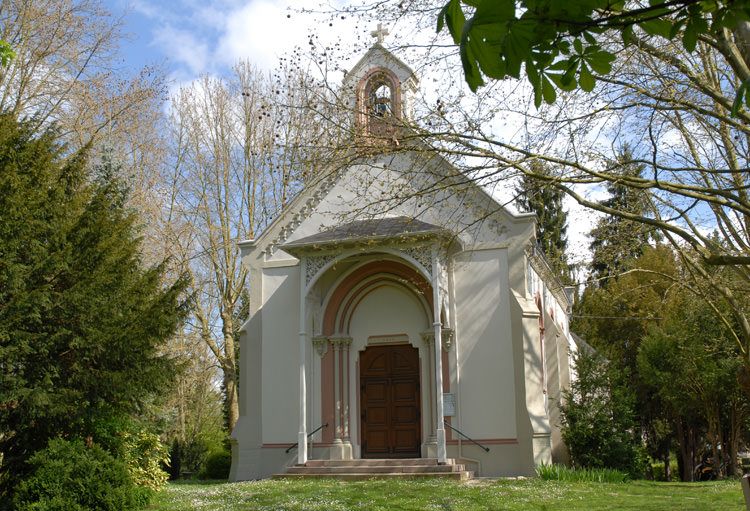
x,y
617,240
82,320
690,363
536,196
228,182
598,417
559,43
71,476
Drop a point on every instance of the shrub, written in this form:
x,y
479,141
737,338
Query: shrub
x,y
573,475
144,455
69,476
657,469
142,452
217,465
598,418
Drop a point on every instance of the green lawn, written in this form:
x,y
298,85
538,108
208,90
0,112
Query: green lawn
x,y
439,495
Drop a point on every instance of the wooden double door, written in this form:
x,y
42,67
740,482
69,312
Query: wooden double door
x,y
390,402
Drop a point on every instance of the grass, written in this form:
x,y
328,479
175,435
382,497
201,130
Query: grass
x,y
580,475
440,495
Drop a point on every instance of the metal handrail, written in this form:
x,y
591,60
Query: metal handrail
x,y
467,437
296,444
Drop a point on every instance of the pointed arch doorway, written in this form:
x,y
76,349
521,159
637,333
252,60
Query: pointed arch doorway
x,y
390,401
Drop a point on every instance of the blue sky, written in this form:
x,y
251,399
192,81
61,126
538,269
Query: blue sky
x,y
191,37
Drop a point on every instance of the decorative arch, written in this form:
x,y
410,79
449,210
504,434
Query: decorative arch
x,y
345,296
422,265
348,291
378,100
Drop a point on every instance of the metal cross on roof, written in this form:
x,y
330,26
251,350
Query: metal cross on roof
x,y
380,33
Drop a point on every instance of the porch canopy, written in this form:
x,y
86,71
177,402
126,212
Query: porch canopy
x,y
394,232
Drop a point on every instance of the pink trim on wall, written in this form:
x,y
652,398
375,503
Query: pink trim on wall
x,y
387,267
487,441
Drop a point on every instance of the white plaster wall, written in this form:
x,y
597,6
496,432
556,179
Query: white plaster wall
x,y
389,186
384,311
280,354
484,345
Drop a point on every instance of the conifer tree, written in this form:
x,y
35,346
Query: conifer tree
x,y
616,240
537,196
82,321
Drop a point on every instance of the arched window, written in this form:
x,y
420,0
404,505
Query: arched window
x,y
381,100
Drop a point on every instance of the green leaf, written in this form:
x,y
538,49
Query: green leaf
x,y
517,45
486,55
494,12
548,90
563,83
578,46
6,53
676,27
627,35
690,37
537,94
741,92
658,26
601,61
586,79
471,70
531,72
453,16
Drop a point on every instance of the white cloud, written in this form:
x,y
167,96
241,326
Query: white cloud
x,y
261,31
184,48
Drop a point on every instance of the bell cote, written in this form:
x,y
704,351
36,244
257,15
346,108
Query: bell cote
x,y
381,89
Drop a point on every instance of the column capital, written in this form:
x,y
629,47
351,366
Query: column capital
x,y
447,337
342,341
320,342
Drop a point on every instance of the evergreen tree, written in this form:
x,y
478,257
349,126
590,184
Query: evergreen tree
x,y
546,201
598,417
82,321
615,239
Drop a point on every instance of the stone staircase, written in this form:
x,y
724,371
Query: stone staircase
x,y
352,470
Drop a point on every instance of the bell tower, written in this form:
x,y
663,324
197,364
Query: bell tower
x,y
381,88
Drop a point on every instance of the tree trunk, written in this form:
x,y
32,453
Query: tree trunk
x,y
231,398
735,429
667,468
686,440
229,366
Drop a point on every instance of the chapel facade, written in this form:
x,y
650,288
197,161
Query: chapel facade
x,y
391,318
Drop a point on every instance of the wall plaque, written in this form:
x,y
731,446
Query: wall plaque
x,y
449,404
388,339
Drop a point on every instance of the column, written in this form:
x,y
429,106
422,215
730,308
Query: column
x,y
336,391
429,337
437,296
341,448
302,435
347,443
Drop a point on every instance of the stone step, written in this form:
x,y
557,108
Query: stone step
x,y
458,476
374,469
384,462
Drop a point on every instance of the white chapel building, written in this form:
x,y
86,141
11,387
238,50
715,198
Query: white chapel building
x,y
394,317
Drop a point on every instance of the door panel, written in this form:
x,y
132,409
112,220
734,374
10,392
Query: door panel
x,y
389,386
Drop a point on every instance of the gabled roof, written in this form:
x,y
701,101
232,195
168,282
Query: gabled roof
x,y
401,227
404,72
